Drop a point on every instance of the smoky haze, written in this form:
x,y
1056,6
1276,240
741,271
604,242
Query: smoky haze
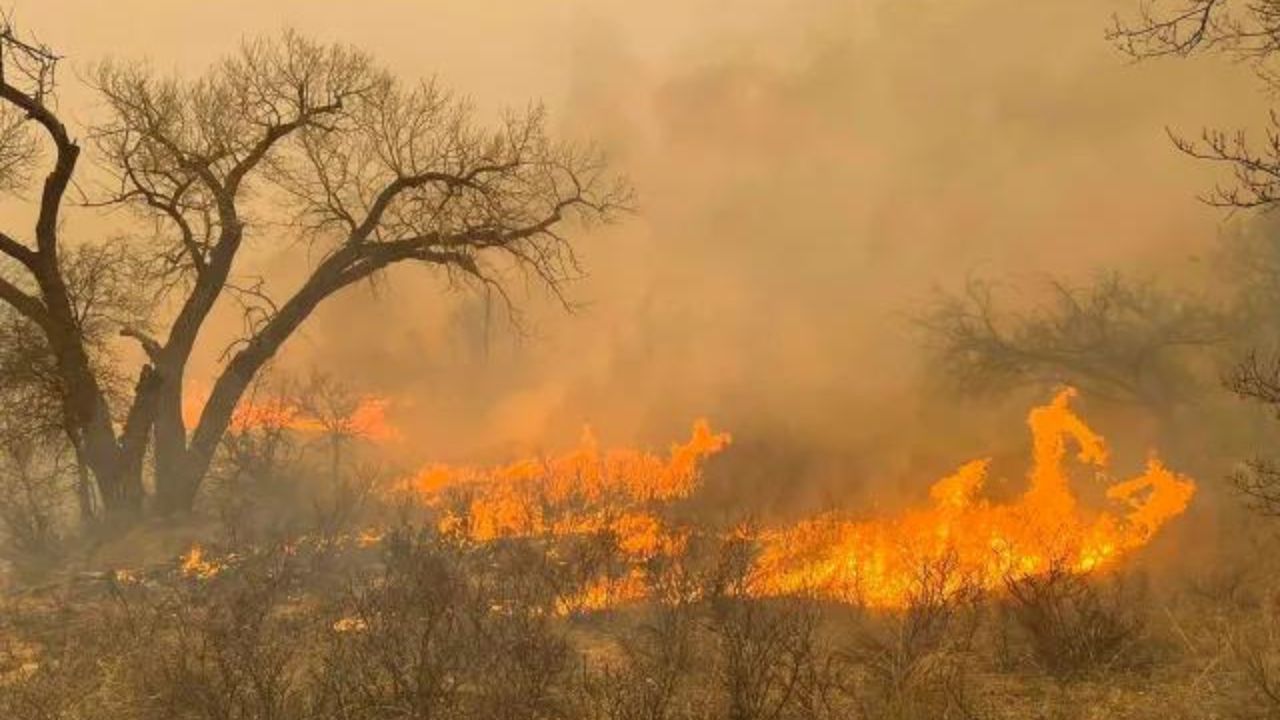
x,y
806,174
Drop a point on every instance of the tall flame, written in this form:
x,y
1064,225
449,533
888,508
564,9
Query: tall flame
x,y
877,562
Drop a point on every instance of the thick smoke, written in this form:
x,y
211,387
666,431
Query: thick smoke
x,y
806,173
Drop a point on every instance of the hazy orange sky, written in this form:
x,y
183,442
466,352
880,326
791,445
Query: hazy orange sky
x,y
807,172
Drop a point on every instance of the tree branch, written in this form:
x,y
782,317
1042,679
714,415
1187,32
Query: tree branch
x,y
17,251
30,307
149,345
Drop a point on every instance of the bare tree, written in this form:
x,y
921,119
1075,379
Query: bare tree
x,y
103,284
1258,481
1249,31
1245,30
321,144
333,406
1117,339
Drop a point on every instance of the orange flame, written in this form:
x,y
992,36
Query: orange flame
x,y
368,420
878,562
583,491
194,564
874,562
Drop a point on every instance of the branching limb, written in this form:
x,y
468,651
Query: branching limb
x,y
149,344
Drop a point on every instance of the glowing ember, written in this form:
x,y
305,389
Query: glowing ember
x,y
349,625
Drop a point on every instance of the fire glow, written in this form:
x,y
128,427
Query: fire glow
x,y
873,562
368,418
581,491
878,562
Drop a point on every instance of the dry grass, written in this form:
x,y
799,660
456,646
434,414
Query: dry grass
x,y
424,627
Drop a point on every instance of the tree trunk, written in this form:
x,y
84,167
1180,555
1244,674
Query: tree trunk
x,y
183,462
175,467
177,483
86,499
120,485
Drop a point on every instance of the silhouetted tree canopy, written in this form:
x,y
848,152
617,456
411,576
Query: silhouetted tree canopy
x,y
1116,338
286,139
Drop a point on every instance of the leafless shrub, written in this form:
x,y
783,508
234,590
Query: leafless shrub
x,y
526,657
767,649
1075,624
55,662
655,672
445,628
624,691
227,647
290,465
34,494
222,648
339,508
1227,624
912,663
656,677
256,479
403,647
445,631
1224,589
